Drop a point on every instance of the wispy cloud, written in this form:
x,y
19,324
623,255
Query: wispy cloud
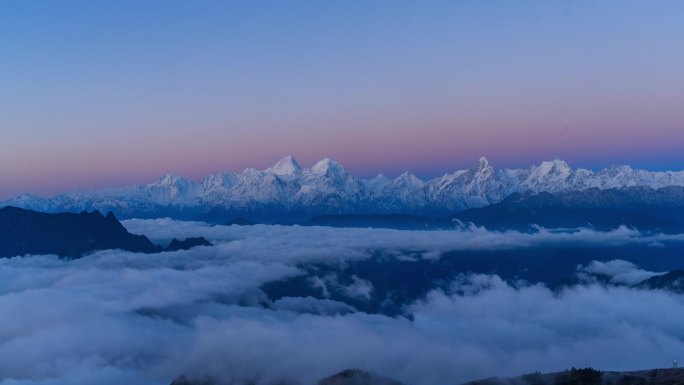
x,y
617,271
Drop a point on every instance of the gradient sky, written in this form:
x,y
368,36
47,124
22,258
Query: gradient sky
x,y
107,93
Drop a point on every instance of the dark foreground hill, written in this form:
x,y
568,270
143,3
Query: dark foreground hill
x,y
187,243
588,376
65,234
346,377
357,377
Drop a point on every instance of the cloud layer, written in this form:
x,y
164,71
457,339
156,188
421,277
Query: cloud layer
x,y
116,317
307,244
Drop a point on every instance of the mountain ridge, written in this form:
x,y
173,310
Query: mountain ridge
x,y
287,190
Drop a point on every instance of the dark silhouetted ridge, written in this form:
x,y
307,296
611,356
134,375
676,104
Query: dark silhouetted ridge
x,y
672,281
589,376
240,222
346,377
187,244
357,377
65,234
638,207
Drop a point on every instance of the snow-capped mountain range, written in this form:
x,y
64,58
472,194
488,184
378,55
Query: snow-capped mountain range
x,y
286,190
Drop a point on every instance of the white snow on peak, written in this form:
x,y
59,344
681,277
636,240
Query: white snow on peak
x,y
409,180
481,171
169,189
555,166
285,166
327,187
325,166
377,184
555,171
172,180
380,178
219,181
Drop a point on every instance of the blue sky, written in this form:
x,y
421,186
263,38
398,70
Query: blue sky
x,y
105,93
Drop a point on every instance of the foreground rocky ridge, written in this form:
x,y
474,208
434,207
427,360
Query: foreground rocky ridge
x,y
286,190
72,235
66,234
585,376
588,376
345,377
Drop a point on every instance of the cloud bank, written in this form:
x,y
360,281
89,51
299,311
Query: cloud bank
x,y
314,244
116,317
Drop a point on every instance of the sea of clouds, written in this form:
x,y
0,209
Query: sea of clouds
x,y
116,317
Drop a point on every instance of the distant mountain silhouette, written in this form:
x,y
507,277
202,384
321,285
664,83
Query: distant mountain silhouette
x,y
187,244
240,222
643,208
639,207
65,234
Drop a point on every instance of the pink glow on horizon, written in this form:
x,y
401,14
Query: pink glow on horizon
x,y
47,174
428,141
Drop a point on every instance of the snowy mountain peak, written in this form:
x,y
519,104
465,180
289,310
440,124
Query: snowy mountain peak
x,y
377,183
285,166
408,179
327,187
218,181
169,189
172,180
379,179
620,169
326,166
482,170
554,167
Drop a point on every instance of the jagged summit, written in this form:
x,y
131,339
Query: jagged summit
x,y
380,177
328,188
554,166
219,181
409,179
285,166
327,165
555,170
169,179
172,180
378,181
